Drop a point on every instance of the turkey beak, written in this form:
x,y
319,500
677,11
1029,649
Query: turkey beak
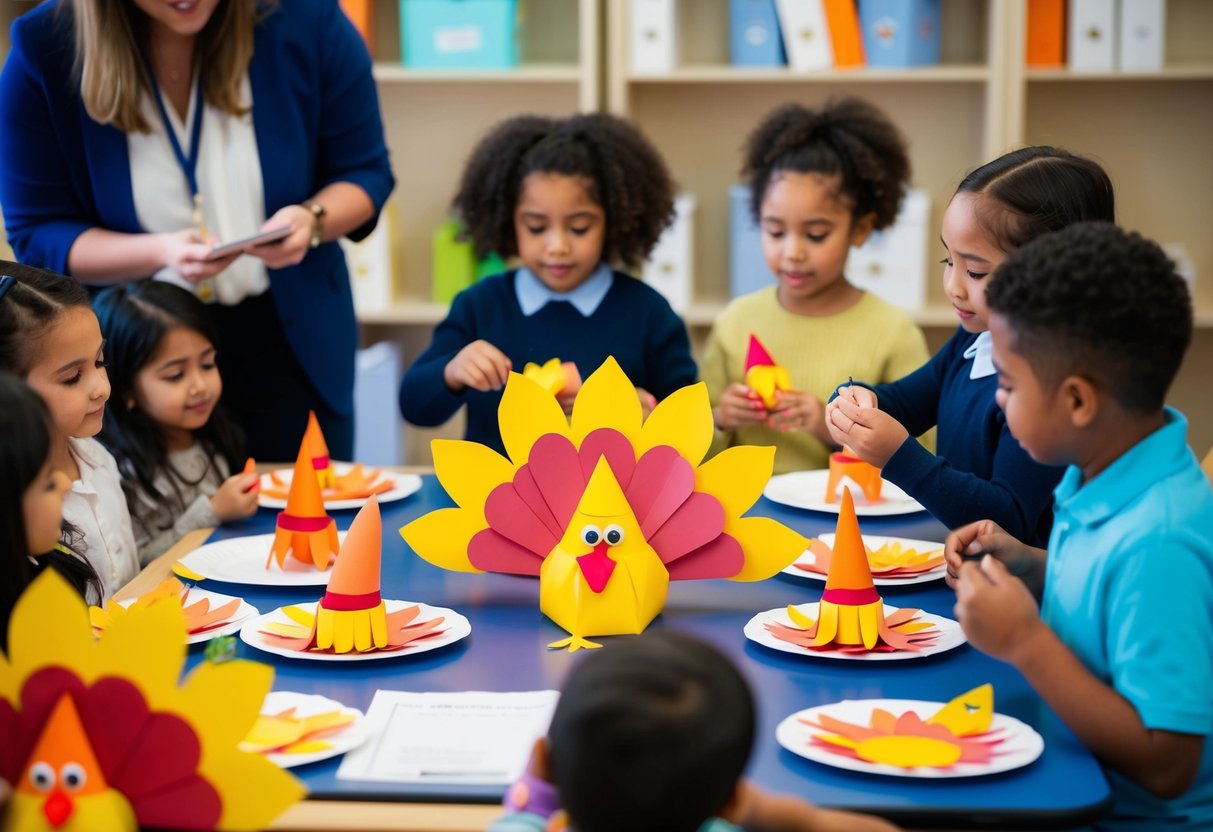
x,y
596,567
58,808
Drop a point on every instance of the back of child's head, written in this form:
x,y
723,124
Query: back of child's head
x,y
135,318
622,171
651,733
1098,302
32,301
1034,190
848,138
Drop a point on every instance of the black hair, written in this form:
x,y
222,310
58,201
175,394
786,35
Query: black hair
x,y
1035,190
135,317
651,733
847,137
29,308
1098,302
25,446
626,177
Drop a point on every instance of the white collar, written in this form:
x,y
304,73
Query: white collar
x,y
980,351
533,295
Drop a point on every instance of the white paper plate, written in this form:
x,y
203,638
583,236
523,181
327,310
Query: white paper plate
x,y
403,485
1021,745
807,489
874,541
950,636
217,599
455,627
306,704
241,560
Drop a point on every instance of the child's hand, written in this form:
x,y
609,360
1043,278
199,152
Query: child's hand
x,y
739,407
186,254
795,410
872,434
236,497
647,402
985,537
998,614
480,366
862,396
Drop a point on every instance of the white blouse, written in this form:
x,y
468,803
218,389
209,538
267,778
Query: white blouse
x,y
97,506
229,179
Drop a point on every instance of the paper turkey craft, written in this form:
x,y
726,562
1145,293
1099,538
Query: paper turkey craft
x,y
99,734
763,375
606,509
851,614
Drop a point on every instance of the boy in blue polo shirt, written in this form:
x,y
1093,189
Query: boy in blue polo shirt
x,y
1089,326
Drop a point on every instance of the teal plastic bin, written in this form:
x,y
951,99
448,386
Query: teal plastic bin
x,y
459,34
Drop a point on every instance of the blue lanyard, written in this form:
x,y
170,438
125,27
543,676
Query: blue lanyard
x,y
189,164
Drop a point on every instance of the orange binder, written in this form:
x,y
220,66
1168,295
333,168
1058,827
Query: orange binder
x,y
360,13
843,22
1046,33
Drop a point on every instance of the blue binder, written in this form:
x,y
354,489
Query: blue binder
x,y
754,38
747,269
900,33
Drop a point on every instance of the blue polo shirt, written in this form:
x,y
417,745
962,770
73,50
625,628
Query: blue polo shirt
x,y
1129,588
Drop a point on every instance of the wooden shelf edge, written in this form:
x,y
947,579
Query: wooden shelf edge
x,y
725,73
1167,73
524,74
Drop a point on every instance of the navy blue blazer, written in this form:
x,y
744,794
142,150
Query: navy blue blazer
x,y
316,120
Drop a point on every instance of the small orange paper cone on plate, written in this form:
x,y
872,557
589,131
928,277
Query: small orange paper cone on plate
x,y
352,615
316,448
844,463
304,530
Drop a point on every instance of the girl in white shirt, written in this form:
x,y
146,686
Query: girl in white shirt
x,y
50,338
175,447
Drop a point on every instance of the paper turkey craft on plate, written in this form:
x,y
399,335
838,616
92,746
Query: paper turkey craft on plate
x,y
607,509
912,738
101,733
852,619
353,621
894,561
341,485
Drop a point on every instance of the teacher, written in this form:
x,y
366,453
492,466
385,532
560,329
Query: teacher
x,y
137,134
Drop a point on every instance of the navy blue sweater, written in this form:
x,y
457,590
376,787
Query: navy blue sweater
x,y
633,323
979,471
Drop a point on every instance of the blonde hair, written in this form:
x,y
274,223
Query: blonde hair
x,y
111,36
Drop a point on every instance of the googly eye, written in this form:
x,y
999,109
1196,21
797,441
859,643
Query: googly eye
x,y
613,534
42,776
73,776
590,535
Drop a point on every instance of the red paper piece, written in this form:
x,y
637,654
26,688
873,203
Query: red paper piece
x,y
662,482
616,448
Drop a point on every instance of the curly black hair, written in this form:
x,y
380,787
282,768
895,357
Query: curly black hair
x,y
626,177
1098,302
848,137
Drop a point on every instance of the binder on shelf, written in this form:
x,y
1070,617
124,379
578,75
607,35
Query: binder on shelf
x,y
653,35
1091,40
842,19
747,267
1046,43
370,264
459,34
362,14
891,264
900,33
377,426
1142,34
754,37
806,38
453,263
670,266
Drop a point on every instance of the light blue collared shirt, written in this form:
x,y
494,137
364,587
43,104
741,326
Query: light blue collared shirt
x,y
533,295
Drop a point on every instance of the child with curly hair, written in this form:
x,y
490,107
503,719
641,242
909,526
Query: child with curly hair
x,y
567,197
820,182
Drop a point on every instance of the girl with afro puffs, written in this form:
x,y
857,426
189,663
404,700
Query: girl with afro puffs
x,y
569,198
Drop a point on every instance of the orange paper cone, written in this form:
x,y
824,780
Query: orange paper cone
x,y
318,450
304,530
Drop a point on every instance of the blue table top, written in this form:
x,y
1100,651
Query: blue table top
x,y
507,651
